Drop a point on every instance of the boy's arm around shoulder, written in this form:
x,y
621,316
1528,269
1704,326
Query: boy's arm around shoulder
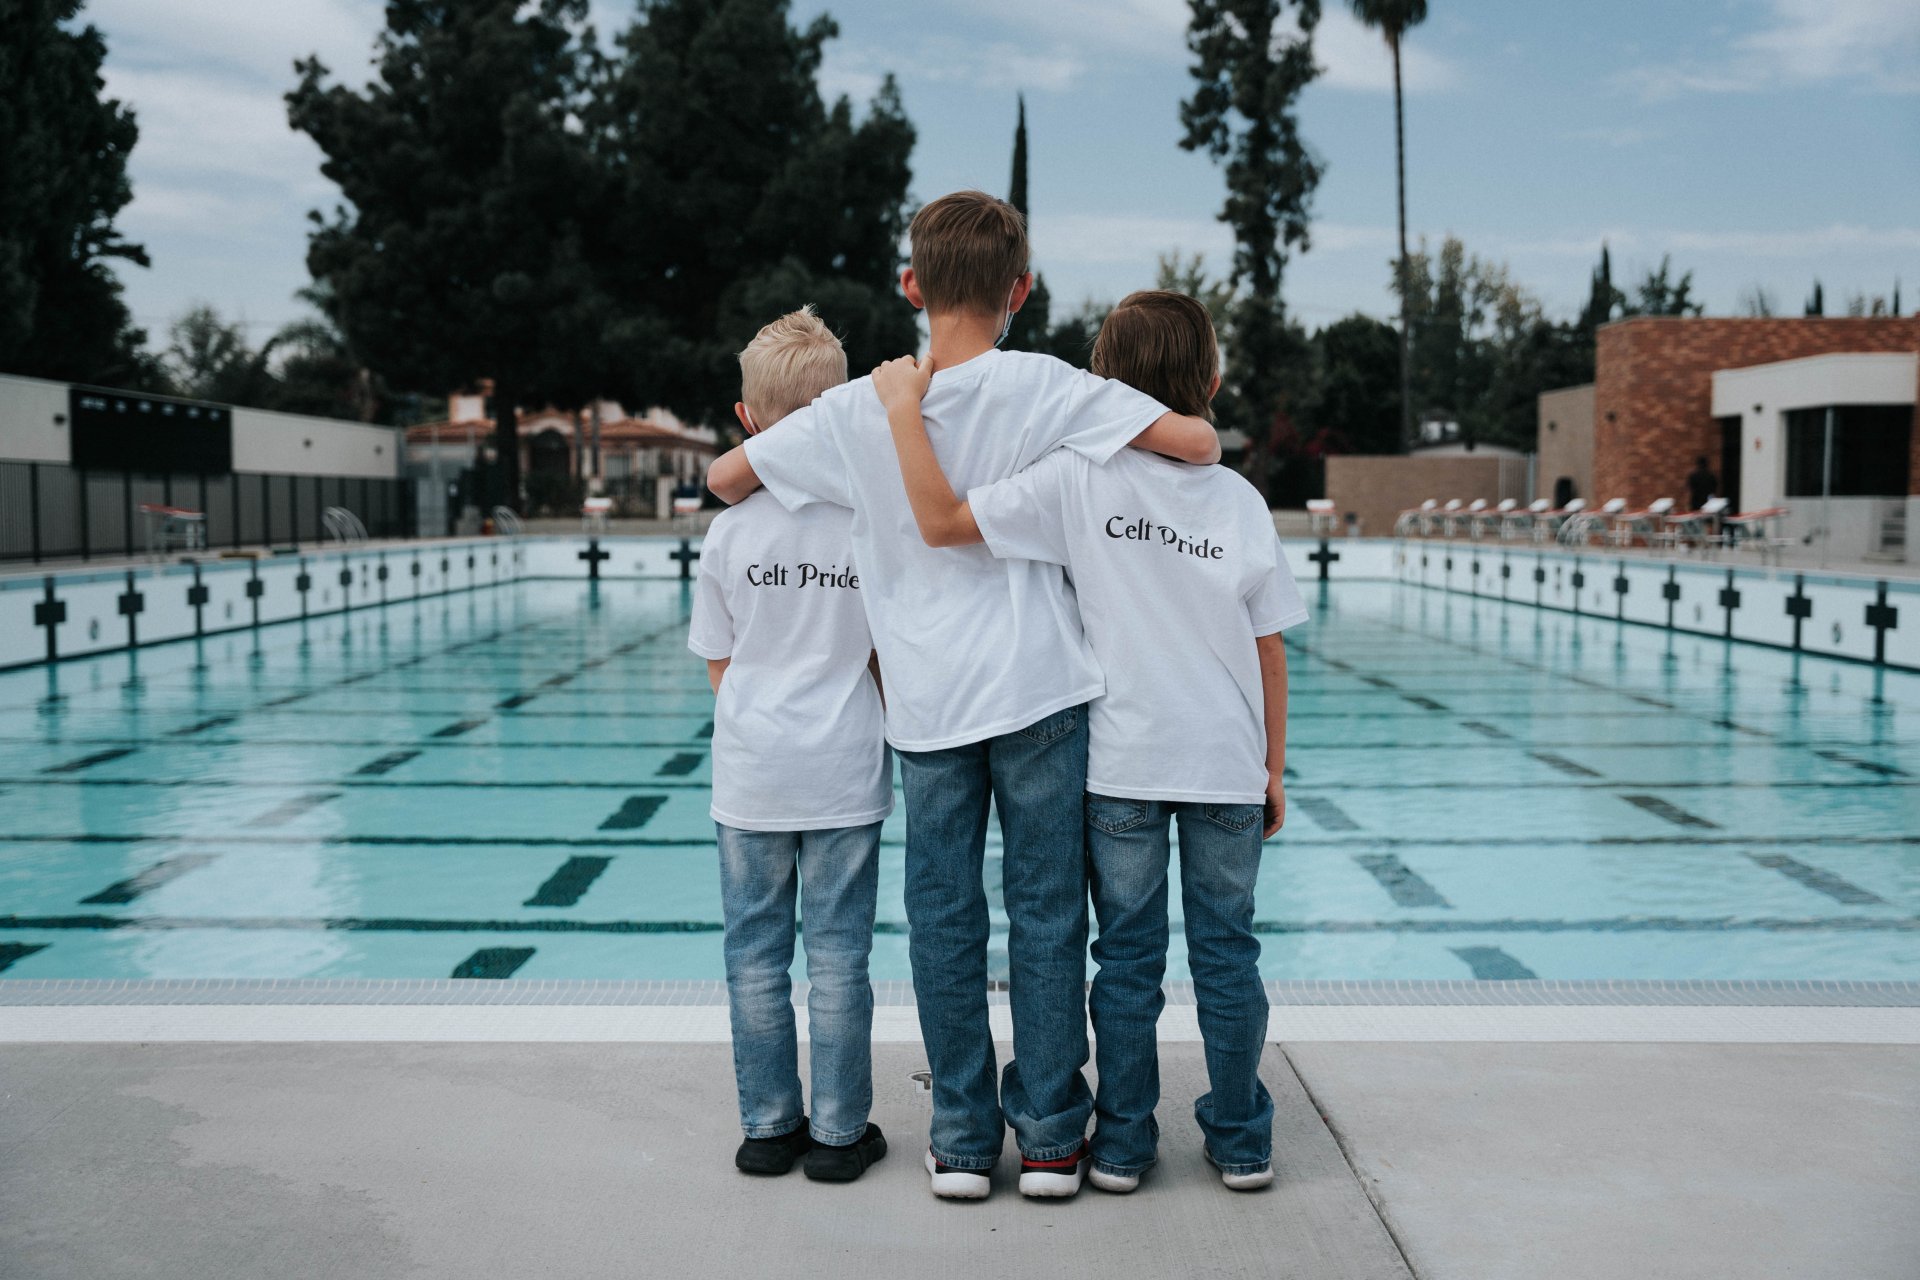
x,y
1182,437
731,477
945,518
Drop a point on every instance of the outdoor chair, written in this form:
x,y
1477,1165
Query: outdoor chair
x,y
1757,531
165,523
594,513
1323,520
1450,516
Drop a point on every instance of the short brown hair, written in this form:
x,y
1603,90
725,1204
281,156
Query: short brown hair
x,y
788,364
968,249
1162,343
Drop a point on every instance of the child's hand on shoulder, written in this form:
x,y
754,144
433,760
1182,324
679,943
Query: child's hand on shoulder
x,y
902,383
1276,804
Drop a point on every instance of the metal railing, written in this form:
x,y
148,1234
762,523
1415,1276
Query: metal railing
x,y
51,511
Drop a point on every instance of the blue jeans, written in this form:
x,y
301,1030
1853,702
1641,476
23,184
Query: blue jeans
x,y
834,875
1219,862
1035,777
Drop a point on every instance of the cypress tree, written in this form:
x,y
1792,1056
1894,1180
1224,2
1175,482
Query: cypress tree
x,y
1032,325
1817,303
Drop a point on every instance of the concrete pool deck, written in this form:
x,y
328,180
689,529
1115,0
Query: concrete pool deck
x,y
1473,1159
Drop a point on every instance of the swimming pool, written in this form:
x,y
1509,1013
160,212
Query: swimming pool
x,y
512,782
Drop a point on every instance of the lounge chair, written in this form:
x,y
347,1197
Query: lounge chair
x,y
1487,521
1517,525
1548,524
1641,525
1414,521
1580,529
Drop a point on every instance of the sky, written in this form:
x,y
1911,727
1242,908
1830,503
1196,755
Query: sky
x,y
1761,143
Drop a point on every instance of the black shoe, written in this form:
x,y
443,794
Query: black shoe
x,y
844,1164
772,1155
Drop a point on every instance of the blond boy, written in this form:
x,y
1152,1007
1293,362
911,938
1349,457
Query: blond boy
x,y
801,783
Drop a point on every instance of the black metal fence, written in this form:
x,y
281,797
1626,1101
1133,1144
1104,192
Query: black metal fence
x,y
49,510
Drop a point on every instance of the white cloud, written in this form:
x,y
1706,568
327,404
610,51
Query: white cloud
x,y
195,123
1803,242
1866,44
259,40
1353,57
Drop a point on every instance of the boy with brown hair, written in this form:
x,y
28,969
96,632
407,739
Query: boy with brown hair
x,y
988,678
801,784
1184,593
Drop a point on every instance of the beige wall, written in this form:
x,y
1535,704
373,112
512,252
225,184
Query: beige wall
x,y
1378,489
1566,441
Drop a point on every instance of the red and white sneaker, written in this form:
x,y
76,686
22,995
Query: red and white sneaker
x,y
1055,1178
950,1183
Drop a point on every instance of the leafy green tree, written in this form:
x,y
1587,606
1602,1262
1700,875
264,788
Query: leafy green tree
x,y
1661,295
1355,398
1253,58
1392,19
736,193
208,358
1188,275
460,251
63,180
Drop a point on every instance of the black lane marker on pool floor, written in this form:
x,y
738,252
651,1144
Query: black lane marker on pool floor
x,y
492,962
1404,885
517,700
1485,729
634,813
213,722
152,878
457,728
554,682
680,765
87,762
1671,812
564,887
11,952
1871,766
1564,765
1425,704
1819,880
293,808
385,764
1329,816
706,730
1491,964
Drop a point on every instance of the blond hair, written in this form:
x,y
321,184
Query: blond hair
x,y
1162,343
968,249
788,364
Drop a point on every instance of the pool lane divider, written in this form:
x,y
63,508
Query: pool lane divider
x,y
564,887
153,877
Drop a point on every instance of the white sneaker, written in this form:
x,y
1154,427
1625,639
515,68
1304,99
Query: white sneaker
x,y
1261,1177
1055,1179
1118,1183
958,1184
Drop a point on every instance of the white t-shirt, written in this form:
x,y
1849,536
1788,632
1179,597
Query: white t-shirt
x,y
972,647
798,743
1177,570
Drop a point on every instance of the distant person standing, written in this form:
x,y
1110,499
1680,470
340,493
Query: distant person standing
x,y
1701,484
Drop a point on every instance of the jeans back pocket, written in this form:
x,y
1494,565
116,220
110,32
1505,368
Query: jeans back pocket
x,y
1114,815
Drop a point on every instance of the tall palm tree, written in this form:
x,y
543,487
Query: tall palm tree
x,y
1392,19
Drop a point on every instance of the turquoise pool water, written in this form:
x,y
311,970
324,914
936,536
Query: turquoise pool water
x,y
513,782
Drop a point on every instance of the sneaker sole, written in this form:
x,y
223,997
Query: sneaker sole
x,y
1051,1186
959,1184
1241,1181
1119,1184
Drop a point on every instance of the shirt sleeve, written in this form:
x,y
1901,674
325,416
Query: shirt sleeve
x,y
1024,517
1103,416
1275,604
799,462
710,634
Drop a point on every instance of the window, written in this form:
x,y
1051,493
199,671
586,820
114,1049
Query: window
x,y
1870,444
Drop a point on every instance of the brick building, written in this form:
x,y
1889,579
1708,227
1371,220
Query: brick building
x,y
1751,396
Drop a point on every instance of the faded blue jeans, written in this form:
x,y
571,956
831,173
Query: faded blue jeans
x,y
1127,856
833,875
1035,777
